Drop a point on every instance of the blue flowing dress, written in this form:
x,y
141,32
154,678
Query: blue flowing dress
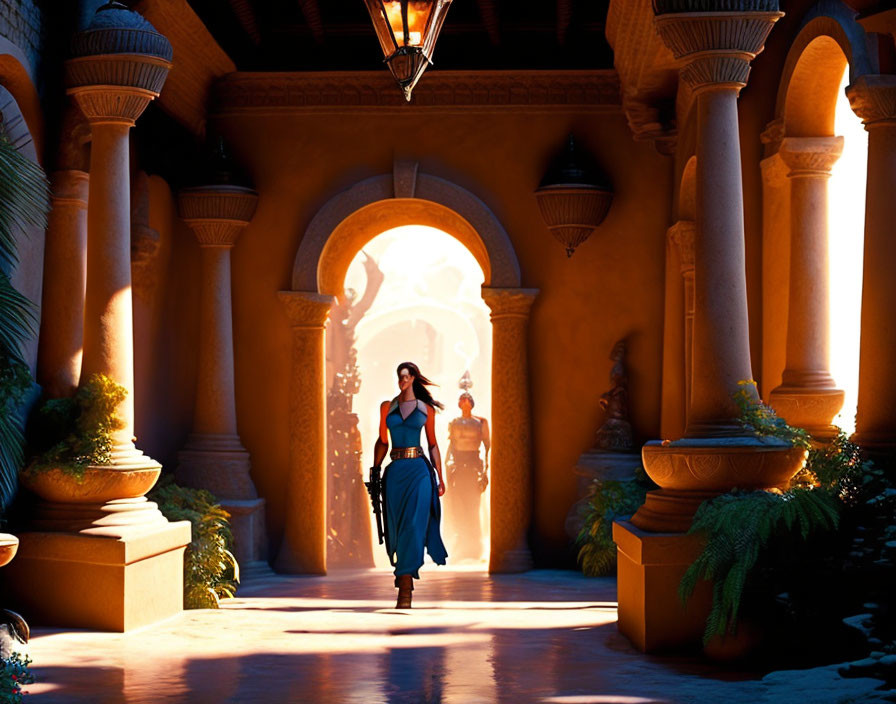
x,y
411,498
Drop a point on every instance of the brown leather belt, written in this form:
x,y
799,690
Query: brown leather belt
x,y
406,453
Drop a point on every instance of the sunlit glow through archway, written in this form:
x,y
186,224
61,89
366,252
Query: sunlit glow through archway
x,y
428,310
846,228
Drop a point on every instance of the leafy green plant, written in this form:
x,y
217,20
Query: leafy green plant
x,y
14,673
737,527
211,571
761,419
611,499
24,202
70,434
740,526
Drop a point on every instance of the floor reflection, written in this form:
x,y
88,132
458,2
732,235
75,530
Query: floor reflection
x,y
543,636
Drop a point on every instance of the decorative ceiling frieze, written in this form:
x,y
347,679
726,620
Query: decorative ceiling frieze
x,y
366,90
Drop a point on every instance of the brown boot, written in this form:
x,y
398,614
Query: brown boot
x,y
405,584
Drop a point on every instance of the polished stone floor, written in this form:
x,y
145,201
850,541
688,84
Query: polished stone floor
x,y
543,636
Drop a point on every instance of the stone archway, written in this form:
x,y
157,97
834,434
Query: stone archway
x,y
800,154
338,231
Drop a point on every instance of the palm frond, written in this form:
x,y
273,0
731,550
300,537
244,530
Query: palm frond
x,y
24,198
18,321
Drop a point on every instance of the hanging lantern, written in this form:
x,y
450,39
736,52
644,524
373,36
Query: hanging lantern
x,y
407,30
573,197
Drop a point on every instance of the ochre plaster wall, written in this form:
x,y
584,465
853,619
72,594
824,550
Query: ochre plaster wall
x,y
164,404
611,288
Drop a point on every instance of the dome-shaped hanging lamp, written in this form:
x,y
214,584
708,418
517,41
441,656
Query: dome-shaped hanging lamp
x,y
573,197
407,30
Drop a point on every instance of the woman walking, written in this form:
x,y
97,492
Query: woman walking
x,y
412,484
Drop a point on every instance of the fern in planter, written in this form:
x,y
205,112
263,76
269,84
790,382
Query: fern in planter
x,y
24,202
738,526
611,499
211,571
70,434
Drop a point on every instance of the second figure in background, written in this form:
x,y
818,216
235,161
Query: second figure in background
x,y
467,476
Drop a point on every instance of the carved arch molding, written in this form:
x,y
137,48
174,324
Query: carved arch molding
x,y
334,236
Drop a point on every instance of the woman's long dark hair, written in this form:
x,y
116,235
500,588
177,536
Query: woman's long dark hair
x,y
420,384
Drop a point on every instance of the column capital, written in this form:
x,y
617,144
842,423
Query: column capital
x,y
509,302
217,214
716,48
810,156
682,234
120,105
120,63
873,98
306,309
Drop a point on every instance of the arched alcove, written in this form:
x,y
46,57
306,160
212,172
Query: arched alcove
x,y
802,149
333,238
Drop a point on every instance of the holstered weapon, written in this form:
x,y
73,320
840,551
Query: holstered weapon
x,y
375,490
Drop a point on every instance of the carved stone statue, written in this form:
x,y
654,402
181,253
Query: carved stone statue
x,y
348,524
467,475
613,454
615,434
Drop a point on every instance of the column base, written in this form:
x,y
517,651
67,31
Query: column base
x,y
511,562
217,463
74,517
649,569
812,409
667,511
248,529
107,579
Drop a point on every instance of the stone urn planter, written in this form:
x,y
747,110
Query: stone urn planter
x,y
98,485
721,465
689,472
9,544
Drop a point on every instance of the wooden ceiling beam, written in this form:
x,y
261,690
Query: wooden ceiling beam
x,y
564,16
245,14
311,12
489,13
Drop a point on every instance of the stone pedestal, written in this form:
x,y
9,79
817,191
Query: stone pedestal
x,y
214,458
808,397
596,466
873,98
649,569
100,579
511,425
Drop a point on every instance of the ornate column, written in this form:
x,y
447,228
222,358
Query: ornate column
x,y
715,50
116,72
681,234
304,546
775,257
873,98
65,277
214,458
511,454
808,397
100,555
